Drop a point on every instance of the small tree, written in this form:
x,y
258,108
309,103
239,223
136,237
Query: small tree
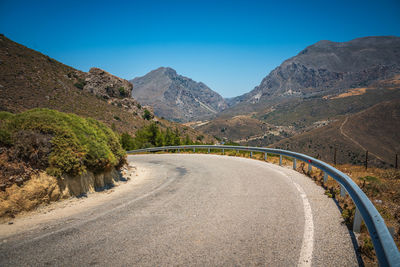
x,y
127,142
122,92
169,137
177,139
153,133
188,141
147,115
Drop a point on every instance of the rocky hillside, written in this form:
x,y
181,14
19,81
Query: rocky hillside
x,y
176,97
297,116
376,129
102,83
327,68
29,79
320,86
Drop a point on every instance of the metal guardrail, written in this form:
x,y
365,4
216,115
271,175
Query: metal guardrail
x,y
385,247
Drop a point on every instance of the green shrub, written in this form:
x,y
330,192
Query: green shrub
x,y
200,137
123,92
127,141
5,138
367,248
152,136
80,84
147,115
77,144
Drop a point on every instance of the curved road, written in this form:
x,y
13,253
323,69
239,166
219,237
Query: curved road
x,y
202,210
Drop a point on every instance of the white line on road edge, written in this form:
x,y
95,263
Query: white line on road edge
x,y
307,245
308,237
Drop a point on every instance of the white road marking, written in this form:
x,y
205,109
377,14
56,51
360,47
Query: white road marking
x,y
307,245
308,237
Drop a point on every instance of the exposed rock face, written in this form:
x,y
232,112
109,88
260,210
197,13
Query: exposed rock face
x,y
329,68
176,97
88,182
106,85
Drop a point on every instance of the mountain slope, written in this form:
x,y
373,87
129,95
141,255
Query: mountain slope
x,y
176,97
29,79
376,129
323,83
327,68
298,115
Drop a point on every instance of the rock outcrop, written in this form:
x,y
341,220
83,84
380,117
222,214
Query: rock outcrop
x,y
106,85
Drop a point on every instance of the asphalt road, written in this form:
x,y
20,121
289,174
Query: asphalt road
x,y
203,210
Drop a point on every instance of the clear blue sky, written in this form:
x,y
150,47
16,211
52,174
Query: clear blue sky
x,y
228,45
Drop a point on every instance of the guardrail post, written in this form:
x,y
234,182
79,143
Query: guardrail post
x,y
208,150
342,191
265,156
280,160
251,154
294,164
309,167
179,150
325,178
223,151
194,150
357,221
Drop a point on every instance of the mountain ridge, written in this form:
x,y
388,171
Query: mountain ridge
x,y
176,97
311,92
327,67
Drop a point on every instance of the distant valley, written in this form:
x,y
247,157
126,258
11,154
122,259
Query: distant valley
x,y
316,89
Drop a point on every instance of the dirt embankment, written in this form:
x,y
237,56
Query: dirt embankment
x,y
42,188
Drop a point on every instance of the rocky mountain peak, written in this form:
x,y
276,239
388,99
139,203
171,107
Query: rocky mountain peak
x,y
176,97
328,67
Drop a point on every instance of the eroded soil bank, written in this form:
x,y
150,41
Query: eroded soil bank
x,y
43,189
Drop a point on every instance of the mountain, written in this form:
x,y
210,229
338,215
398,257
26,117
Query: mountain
x,y
327,68
376,129
323,84
176,97
297,116
29,79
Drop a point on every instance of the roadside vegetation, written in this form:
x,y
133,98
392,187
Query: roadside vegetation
x,y
153,136
39,146
60,143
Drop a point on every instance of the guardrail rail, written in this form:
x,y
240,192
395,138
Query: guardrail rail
x,y
384,245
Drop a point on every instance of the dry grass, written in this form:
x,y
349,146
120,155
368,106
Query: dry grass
x,y
351,92
382,186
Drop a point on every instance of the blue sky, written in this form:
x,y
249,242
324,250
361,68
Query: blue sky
x,y
228,45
